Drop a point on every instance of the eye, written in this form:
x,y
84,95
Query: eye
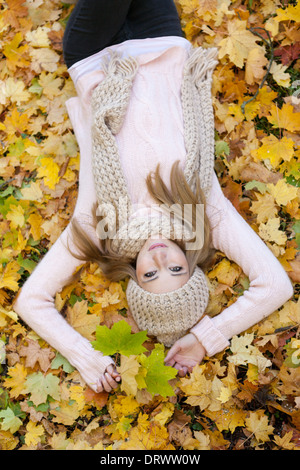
x,y
176,269
150,274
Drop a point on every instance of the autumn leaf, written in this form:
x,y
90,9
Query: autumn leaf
x,y
119,339
270,231
228,419
243,352
49,171
9,422
14,52
9,276
16,379
275,150
292,13
225,272
158,375
128,370
33,434
81,320
40,386
34,353
283,192
238,43
258,424
284,118
280,74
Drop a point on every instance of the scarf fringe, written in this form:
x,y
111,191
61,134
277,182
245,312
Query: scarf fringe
x,y
201,64
114,64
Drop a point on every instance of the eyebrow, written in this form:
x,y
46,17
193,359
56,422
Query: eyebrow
x,y
153,279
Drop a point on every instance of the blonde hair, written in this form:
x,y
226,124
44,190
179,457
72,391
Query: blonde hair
x,y
116,268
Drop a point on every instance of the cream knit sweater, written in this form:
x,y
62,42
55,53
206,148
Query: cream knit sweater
x,y
152,132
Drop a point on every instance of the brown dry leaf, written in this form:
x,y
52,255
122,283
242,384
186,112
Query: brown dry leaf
x,y
35,354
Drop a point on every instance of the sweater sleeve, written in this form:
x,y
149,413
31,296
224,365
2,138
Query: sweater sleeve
x,y
35,303
269,287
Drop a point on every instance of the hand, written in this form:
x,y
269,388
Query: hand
x,y
109,380
185,354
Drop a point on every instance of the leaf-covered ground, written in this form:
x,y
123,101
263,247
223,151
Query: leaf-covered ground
x,y
244,398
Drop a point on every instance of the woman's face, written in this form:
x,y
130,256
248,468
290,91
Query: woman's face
x,y
161,266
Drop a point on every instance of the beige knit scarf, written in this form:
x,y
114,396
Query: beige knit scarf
x,y
155,312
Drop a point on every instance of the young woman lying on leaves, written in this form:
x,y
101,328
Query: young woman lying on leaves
x,y
144,123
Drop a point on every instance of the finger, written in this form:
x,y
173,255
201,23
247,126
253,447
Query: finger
x,y
170,362
171,353
111,380
113,373
105,384
182,370
99,387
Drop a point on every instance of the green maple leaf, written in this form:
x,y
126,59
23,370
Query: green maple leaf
x,y
10,421
158,374
119,339
41,386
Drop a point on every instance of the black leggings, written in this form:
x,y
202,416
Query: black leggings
x,y
96,24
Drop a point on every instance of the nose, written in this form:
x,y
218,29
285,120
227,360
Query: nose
x,y
160,257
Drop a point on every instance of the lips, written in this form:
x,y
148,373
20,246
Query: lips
x,y
157,245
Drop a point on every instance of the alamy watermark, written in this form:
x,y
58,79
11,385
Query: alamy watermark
x,y
182,222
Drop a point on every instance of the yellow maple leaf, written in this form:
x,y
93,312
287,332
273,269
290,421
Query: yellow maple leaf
x,y
281,77
226,272
38,37
16,216
284,118
128,370
13,90
275,150
77,394
270,231
291,13
51,84
285,441
33,192
156,437
44,59
225,394
49,171
123,406
265,98
165,413
238,43
15,123
83,322
258,424
9,276
35,221
33,434
243,352
265,207
15,380
227,419
64,412
283,192
14,53
256,61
